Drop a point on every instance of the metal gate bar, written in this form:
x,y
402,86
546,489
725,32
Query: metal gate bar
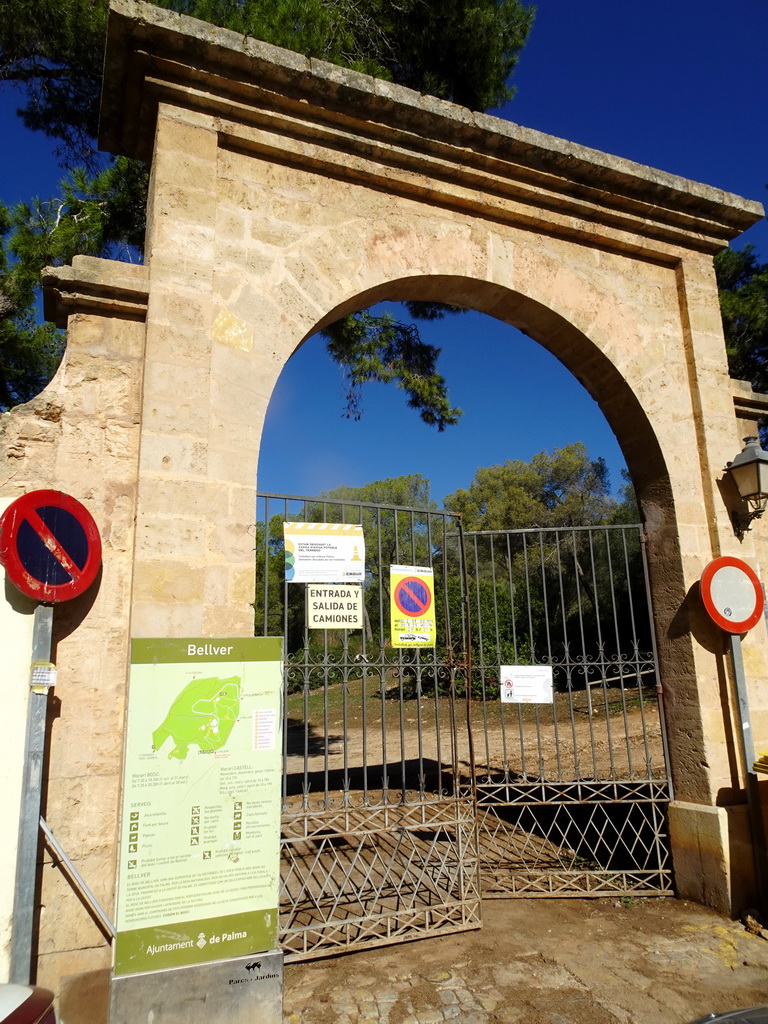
x,y
404,785
572,796
378,843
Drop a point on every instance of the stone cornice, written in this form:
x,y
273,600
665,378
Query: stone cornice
x,y
287,107
749,404
92,285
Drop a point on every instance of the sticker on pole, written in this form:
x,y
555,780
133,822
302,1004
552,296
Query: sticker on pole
x,y
50,546
732,594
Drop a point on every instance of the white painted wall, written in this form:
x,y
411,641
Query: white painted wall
x,y
16,622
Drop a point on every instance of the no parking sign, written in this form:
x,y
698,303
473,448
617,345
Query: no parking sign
x,y
50,546
412,606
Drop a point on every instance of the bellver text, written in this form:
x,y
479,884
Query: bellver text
x,y
193,649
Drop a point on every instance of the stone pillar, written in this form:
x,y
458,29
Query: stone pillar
x,y
81,436
194,546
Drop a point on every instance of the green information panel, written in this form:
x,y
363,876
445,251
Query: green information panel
x,y
200,848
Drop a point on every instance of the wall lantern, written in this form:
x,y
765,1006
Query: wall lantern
x,y
749,472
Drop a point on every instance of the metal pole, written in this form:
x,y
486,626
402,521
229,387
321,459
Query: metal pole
x,y
29,818
750,776
78,882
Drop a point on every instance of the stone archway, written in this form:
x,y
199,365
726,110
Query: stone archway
x,y
286,192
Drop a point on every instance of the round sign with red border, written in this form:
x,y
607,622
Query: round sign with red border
x,y
732,594
413,597
50,546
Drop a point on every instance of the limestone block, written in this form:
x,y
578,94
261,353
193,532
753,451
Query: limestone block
x,y
242,587
177,536
232,541
171,496
176,399
699,837
233,466
217,584
168,581
160,618
182,456
73,964
228,620
67,924
84,997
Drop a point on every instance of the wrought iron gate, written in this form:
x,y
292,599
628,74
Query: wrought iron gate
x,y
572,796
379,845
404,788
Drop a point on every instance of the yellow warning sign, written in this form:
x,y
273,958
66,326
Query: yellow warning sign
x,y
412,606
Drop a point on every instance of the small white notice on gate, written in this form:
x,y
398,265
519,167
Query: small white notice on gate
x,y
526,684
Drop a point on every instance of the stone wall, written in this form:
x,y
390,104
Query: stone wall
x,y
81,436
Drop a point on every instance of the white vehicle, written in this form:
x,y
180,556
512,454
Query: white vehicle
x,y
26,1004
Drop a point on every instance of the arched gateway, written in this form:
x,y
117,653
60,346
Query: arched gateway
x,y
286,192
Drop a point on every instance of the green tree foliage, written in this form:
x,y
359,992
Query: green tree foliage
x,y
29,353
380,348
394,516
557,585
51,51
96,214
566,488
410,492
743,286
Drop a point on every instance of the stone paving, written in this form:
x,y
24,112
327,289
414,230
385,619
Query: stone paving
x,y
545,962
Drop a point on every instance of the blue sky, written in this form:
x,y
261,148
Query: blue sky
x,y
676,85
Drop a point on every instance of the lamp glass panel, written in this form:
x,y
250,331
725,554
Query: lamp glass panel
x,y
747,478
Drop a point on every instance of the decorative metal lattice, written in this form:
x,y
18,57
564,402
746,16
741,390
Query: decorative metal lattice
x,y
572,795
378,843
409,786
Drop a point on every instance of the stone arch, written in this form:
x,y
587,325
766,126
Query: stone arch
x,y
285,192
553,325
548,325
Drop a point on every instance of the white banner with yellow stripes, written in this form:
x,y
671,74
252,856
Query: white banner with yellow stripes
x,y
324,553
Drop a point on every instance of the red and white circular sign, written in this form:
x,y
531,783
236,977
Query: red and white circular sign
x,y
732,594
49,545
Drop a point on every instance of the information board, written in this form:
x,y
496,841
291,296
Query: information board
x,y
200,845
324,553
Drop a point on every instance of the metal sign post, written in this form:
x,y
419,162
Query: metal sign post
x,y
42,677
51,551
734,599
751,780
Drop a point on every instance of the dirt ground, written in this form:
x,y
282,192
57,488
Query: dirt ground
x,y
542,961
596,734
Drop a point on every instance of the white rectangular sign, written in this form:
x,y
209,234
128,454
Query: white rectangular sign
x,y
526,684
324,553
334,607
